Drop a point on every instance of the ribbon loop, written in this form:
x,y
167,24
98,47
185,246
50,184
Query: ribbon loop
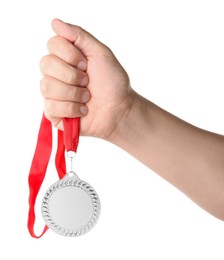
x,y
71,133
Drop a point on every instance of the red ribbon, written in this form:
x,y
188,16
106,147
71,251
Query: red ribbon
x,y
68,140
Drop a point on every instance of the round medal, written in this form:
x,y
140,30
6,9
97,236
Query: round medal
x,y
71,207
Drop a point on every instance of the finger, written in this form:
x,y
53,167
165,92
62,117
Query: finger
x,y
52,88
51,65
86,42
60,109
56,121
65,50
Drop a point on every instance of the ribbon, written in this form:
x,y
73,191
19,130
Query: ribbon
x,y
68,140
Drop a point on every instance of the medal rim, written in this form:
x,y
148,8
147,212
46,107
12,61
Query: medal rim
x,y
68,181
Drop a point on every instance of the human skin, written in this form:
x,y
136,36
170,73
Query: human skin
x,y
83,78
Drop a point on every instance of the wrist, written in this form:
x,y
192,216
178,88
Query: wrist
x,y
127,125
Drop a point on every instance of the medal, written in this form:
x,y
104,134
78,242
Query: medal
x,y
70,207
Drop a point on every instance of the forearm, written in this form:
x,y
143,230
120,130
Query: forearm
x,y
188,157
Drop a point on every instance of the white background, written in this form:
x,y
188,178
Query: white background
x,y
174,54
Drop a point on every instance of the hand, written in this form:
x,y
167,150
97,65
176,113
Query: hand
x,y
80,70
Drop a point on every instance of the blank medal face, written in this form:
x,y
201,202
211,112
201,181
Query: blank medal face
x,y
71,207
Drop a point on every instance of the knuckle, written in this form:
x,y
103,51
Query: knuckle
x,y
54,120
78,30
49,107
44,86
51,42
47,115
44,63
47,110
107,52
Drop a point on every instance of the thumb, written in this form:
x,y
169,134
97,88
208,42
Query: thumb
x,y
83,40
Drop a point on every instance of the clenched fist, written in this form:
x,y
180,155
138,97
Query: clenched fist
x,y
83,78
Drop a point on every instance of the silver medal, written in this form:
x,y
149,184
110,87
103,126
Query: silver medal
x,y
71,207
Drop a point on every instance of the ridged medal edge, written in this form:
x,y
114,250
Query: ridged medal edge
x,y
69,181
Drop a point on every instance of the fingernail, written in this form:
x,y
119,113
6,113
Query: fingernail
x,y
85,96
84,81
82,65
83,110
